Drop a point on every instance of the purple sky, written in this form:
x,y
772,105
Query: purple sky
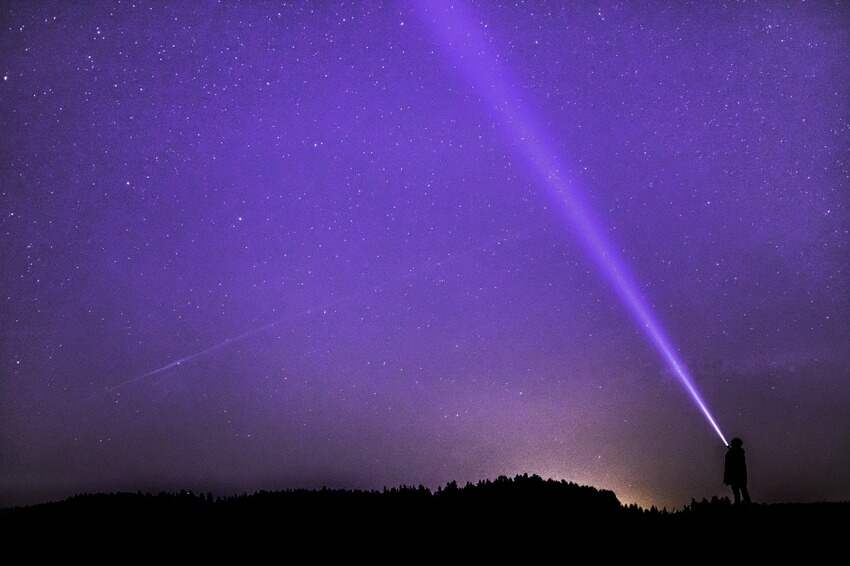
x,y
326,214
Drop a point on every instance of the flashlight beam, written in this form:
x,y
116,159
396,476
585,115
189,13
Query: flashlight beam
x,y
472,53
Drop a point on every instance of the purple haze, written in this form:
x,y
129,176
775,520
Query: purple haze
x,y
337,228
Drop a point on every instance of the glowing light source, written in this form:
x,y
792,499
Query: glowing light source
x,y
471,51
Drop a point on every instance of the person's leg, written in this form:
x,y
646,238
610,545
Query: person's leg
x,y
745,493
737,493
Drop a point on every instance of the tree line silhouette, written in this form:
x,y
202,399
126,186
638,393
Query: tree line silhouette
x,y
524,503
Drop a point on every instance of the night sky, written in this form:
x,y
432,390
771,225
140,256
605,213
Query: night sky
x,y
265,245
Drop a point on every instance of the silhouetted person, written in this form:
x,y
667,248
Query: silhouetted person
x,y
735,471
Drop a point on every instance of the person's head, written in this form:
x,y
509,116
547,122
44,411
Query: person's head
x,y
736,443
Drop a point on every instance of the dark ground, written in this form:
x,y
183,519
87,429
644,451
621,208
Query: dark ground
x,y
523,507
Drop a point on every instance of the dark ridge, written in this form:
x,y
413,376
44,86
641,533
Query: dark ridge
x,y
523,503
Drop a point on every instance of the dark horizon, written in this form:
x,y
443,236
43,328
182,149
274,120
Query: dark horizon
x,y
314,486
264,246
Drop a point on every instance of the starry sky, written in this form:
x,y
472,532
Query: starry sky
x,y
263,245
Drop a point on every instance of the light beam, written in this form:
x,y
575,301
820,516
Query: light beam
x,y
411,272
470,50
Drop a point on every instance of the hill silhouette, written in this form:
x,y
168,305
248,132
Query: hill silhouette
x,y
522,504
